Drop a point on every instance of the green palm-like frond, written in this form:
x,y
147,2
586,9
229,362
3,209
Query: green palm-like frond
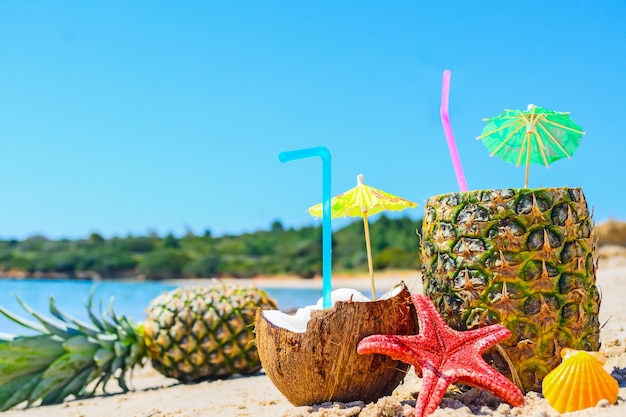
x,y
66,356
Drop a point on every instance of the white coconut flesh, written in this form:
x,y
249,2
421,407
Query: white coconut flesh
x,y
298,321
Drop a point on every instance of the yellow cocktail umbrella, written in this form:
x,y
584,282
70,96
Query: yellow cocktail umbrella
x,y
362,201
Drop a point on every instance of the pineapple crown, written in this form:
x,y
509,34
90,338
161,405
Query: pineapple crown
x,y
66,355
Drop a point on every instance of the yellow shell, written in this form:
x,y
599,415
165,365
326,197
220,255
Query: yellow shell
x,y
579,382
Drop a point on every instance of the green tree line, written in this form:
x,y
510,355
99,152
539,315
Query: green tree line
x,y
276,251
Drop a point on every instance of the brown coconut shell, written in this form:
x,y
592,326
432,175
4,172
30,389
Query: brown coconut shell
x,y
322,364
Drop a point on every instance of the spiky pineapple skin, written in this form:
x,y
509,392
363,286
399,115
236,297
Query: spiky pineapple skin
x,y
519,257
200,332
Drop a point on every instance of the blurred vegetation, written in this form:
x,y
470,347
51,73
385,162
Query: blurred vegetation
x,y
277,251
611,232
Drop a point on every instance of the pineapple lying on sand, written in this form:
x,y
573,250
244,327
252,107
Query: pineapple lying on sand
x,y
519,257
191,333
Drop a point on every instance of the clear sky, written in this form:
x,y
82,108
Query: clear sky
x,y
125,117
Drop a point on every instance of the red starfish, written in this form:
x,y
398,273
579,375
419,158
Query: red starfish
x,y
444,355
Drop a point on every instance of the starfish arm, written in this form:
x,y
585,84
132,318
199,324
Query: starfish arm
x,y
483,376
434,386
393,346
429,318
485,337
432,324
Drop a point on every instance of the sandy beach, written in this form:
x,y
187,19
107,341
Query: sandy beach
x,y
156,396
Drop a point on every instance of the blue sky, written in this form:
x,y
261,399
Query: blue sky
x,y
125,117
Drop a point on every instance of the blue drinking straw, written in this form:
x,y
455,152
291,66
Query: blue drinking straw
x,y
327,263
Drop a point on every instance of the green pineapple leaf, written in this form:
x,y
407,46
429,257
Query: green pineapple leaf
x,y
65,357
22,321
81,326
58,375
17,390
28,354
53,327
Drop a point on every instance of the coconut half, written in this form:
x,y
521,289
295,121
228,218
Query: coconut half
x,y
318,362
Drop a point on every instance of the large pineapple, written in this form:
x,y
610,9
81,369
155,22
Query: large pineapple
x,y
191,333
520,257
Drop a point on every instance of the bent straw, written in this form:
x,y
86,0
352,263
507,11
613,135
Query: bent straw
x,y
327,263
447,129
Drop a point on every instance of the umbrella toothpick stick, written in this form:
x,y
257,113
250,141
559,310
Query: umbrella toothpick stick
x,y
368,246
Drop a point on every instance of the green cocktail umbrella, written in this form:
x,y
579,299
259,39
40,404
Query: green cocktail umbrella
x,y
535,136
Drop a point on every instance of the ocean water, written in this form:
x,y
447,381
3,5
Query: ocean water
x,y
130,298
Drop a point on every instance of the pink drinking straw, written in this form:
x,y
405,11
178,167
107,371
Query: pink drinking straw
x,y
447,129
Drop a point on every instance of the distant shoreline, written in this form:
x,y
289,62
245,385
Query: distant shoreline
x,y
384,280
